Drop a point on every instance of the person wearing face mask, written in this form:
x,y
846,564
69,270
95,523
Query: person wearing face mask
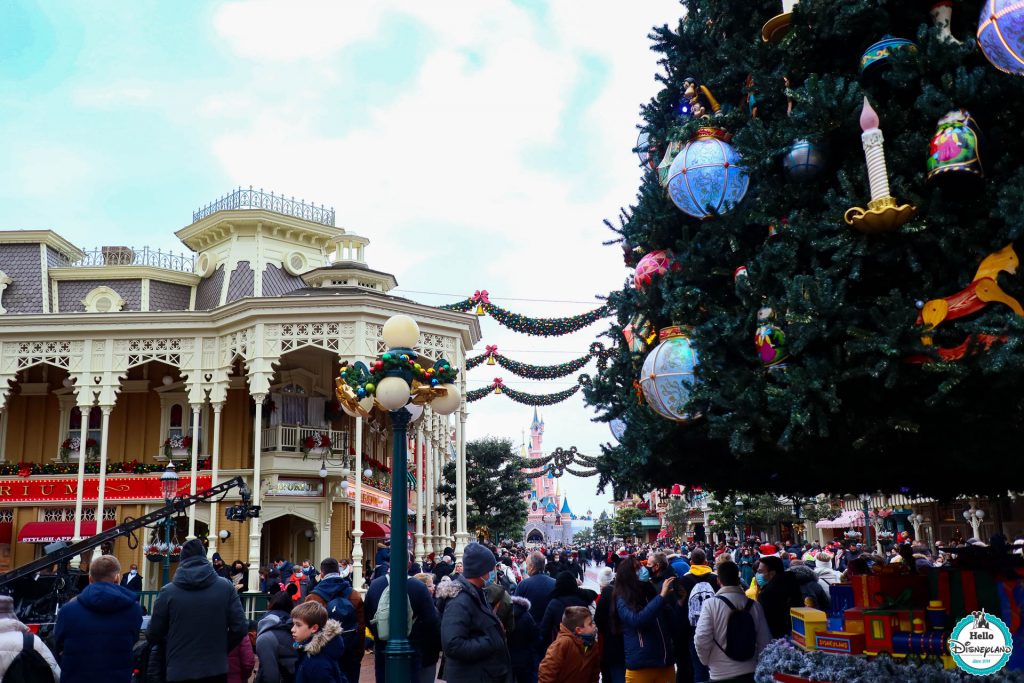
x,y
575,656
778,591
566,594
643,618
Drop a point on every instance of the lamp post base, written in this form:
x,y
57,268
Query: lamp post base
x,y
398,656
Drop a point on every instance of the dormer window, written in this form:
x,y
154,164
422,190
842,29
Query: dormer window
x,y
103,300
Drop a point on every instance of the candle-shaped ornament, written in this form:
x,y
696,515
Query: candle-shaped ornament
x,y
883,214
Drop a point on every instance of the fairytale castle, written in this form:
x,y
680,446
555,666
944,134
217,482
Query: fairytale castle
x,y
549,518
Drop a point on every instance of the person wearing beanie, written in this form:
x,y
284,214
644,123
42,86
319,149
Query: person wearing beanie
x,y
219,567
472,636
12,639
198,618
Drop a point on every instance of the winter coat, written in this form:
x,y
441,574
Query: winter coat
x,y
320,658
746,563
274,648
12,639
776,598
241,662
199,618
424,635
825,572
471,635
712,628
612,652
812,587
567,661
95,634
522,642
331,587
647,634
537,589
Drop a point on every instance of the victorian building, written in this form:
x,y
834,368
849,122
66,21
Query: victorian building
x,y
117,360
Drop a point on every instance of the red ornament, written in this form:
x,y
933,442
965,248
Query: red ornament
x,y
652,265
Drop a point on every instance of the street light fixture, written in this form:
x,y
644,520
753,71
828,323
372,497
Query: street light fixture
x,y
974,517
394,380
865,500
739,519
169,489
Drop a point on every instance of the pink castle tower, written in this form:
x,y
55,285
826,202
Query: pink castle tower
x,y
543,501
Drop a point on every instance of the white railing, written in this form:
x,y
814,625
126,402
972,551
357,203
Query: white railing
x,y
289,438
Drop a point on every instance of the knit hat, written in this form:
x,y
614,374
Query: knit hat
x,y
216,556
193,548
477,561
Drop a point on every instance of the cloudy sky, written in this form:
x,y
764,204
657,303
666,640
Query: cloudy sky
x,y
479,145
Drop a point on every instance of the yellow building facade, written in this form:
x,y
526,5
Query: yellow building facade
x,y
220,360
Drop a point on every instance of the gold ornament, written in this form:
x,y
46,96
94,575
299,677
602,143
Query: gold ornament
x,y
882,215
422,394
346,395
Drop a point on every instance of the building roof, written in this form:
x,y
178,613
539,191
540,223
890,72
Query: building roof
x,y
551,508
565,507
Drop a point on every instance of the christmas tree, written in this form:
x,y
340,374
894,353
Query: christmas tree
x,y
863,375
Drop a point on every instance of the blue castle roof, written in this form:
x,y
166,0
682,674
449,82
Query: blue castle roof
x,y
565,507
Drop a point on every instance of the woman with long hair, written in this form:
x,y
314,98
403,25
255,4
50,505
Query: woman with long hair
x,y
643,616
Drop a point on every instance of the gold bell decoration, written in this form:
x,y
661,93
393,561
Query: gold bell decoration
x,y
491,350
498,384
480,297
884,213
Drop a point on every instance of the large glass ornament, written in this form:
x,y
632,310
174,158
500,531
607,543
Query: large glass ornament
x,y
954,148
653,265
769,339
707,178
1001,34
875,58
667,377
804,160
618,428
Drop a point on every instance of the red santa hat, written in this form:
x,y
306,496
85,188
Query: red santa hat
x,y
767,549
623,552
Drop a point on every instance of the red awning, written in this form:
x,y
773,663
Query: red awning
x,y
375,529
49,532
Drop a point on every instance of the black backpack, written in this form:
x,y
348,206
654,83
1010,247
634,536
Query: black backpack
x,y
28,665
341,609
740,632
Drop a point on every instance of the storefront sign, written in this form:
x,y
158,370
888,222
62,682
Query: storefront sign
x,y
372,498
300,488
123,487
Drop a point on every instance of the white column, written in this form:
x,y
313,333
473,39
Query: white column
x,y
218,407
84,408
428,483
420,483
357,525
461,535
197,409
254,523
101,493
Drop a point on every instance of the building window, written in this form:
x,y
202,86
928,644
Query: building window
x,y
68,514
103,300
94,429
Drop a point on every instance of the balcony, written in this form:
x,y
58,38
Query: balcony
x,y
268,201
288,439
133,256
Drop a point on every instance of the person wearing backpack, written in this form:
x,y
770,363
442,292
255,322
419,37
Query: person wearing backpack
x,y
731,631
274,650
346,606
24,658
696,587
423,621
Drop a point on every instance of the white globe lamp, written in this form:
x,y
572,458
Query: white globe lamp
x,y
449,403
392,393
401,331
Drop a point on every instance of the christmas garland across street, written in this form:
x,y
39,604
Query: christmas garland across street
x,y
520,369
540,327
498,387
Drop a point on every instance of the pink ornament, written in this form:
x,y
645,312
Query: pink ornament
x,y
654,264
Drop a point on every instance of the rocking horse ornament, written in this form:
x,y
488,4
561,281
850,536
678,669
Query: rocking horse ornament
x,y
983,290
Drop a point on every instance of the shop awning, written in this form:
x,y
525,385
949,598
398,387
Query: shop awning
x,y
848,518
375,529
49,532
650,523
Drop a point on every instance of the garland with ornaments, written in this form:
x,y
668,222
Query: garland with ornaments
x,y
28,469
498,387
538,327
520,369
559,462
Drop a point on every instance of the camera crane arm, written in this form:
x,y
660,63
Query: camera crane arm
x,y
180,504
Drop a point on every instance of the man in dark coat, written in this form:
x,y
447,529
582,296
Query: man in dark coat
x,y
198,618
95,632
332,586
779,592
219,567
576,567
424,636
537,587
133,579
471,634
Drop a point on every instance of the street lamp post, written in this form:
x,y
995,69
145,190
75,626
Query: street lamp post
x,y
973,515
169,489
865,500
396,378
739,520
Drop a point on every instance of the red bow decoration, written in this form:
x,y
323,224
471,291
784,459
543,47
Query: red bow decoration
x,y
492,349
480,297
24,469
498,382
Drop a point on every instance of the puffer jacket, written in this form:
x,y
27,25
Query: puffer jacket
x,y
95,634
811,586
274,648
320,659
471,635
647,634
522,642
199,618
12,639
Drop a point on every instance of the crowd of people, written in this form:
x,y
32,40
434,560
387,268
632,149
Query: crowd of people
x,y
655,614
